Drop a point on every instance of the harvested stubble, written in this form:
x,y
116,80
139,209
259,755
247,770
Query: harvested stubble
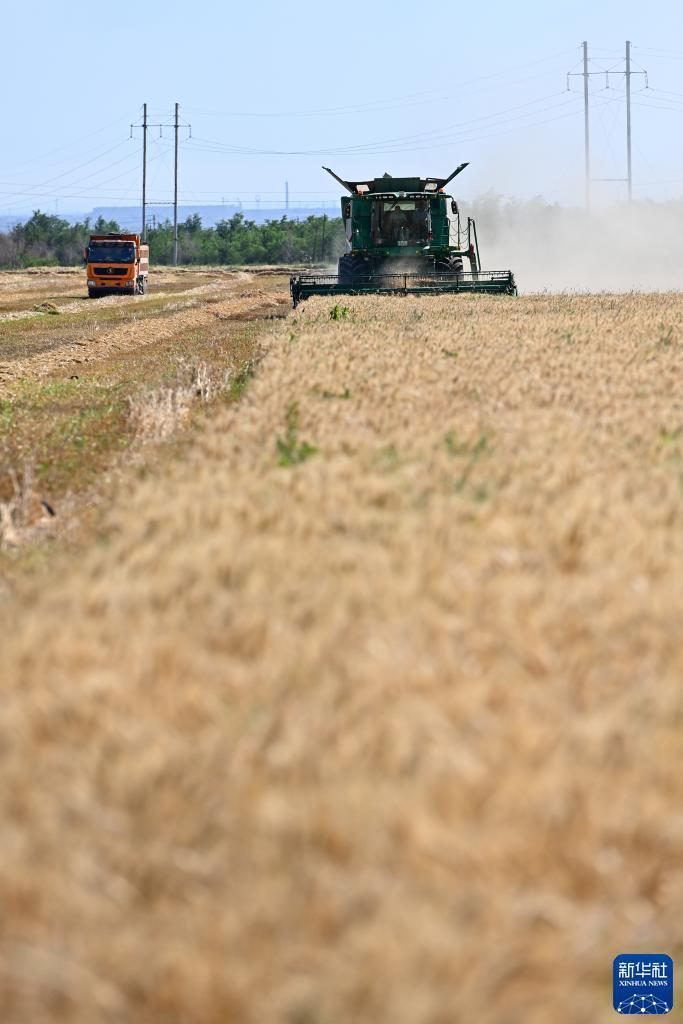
x,y
391,733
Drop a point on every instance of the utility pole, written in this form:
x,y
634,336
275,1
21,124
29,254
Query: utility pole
x,y
287,195
586,126
629,166
607,73
144,172
145,126
175,188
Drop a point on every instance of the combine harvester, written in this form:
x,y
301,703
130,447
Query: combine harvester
x,y
404,236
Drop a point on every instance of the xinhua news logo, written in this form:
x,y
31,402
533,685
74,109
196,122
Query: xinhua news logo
x,y
643,983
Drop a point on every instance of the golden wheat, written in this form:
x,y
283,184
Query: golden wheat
x,y
368,710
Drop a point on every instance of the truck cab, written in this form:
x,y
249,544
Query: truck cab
x,y
116,264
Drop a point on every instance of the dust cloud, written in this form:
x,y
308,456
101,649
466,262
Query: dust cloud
x,y
636,247
619,248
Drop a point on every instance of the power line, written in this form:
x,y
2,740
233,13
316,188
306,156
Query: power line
x,y
86,163
67,145
662,54
647,103
38,192
371,105
456,131
31,193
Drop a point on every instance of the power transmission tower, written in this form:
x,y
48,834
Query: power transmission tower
x,y
160,125
629,165
585,74
628,73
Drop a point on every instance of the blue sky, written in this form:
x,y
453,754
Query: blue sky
x,y
408,88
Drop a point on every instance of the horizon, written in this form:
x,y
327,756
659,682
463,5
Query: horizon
x,y
187,209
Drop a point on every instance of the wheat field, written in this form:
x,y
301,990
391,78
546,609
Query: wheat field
x,y
368,708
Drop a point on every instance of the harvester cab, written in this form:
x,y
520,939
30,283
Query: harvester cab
x,y
404,235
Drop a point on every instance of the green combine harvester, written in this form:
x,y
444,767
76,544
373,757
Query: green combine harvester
x,y
404,236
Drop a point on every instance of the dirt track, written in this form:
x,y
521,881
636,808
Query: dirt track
x,y
20,290
88,329
369,710
80,386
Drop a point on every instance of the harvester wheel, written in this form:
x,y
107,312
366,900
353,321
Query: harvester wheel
x,y
450,265
352,268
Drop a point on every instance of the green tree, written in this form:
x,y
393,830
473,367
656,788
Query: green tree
x,y
48,239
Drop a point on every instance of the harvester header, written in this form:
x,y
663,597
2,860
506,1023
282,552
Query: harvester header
x,y
404,235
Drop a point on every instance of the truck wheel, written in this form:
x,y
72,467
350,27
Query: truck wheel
x,y
93,293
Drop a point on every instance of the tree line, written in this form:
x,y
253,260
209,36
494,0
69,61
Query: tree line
x,y
49,240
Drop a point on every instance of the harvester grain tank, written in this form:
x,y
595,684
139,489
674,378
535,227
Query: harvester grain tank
x,y
404,236
116,264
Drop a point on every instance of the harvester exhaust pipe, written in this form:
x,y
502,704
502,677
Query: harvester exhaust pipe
x,y
442,182
345,184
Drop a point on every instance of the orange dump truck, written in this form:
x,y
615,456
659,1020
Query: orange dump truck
x,y
116,263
